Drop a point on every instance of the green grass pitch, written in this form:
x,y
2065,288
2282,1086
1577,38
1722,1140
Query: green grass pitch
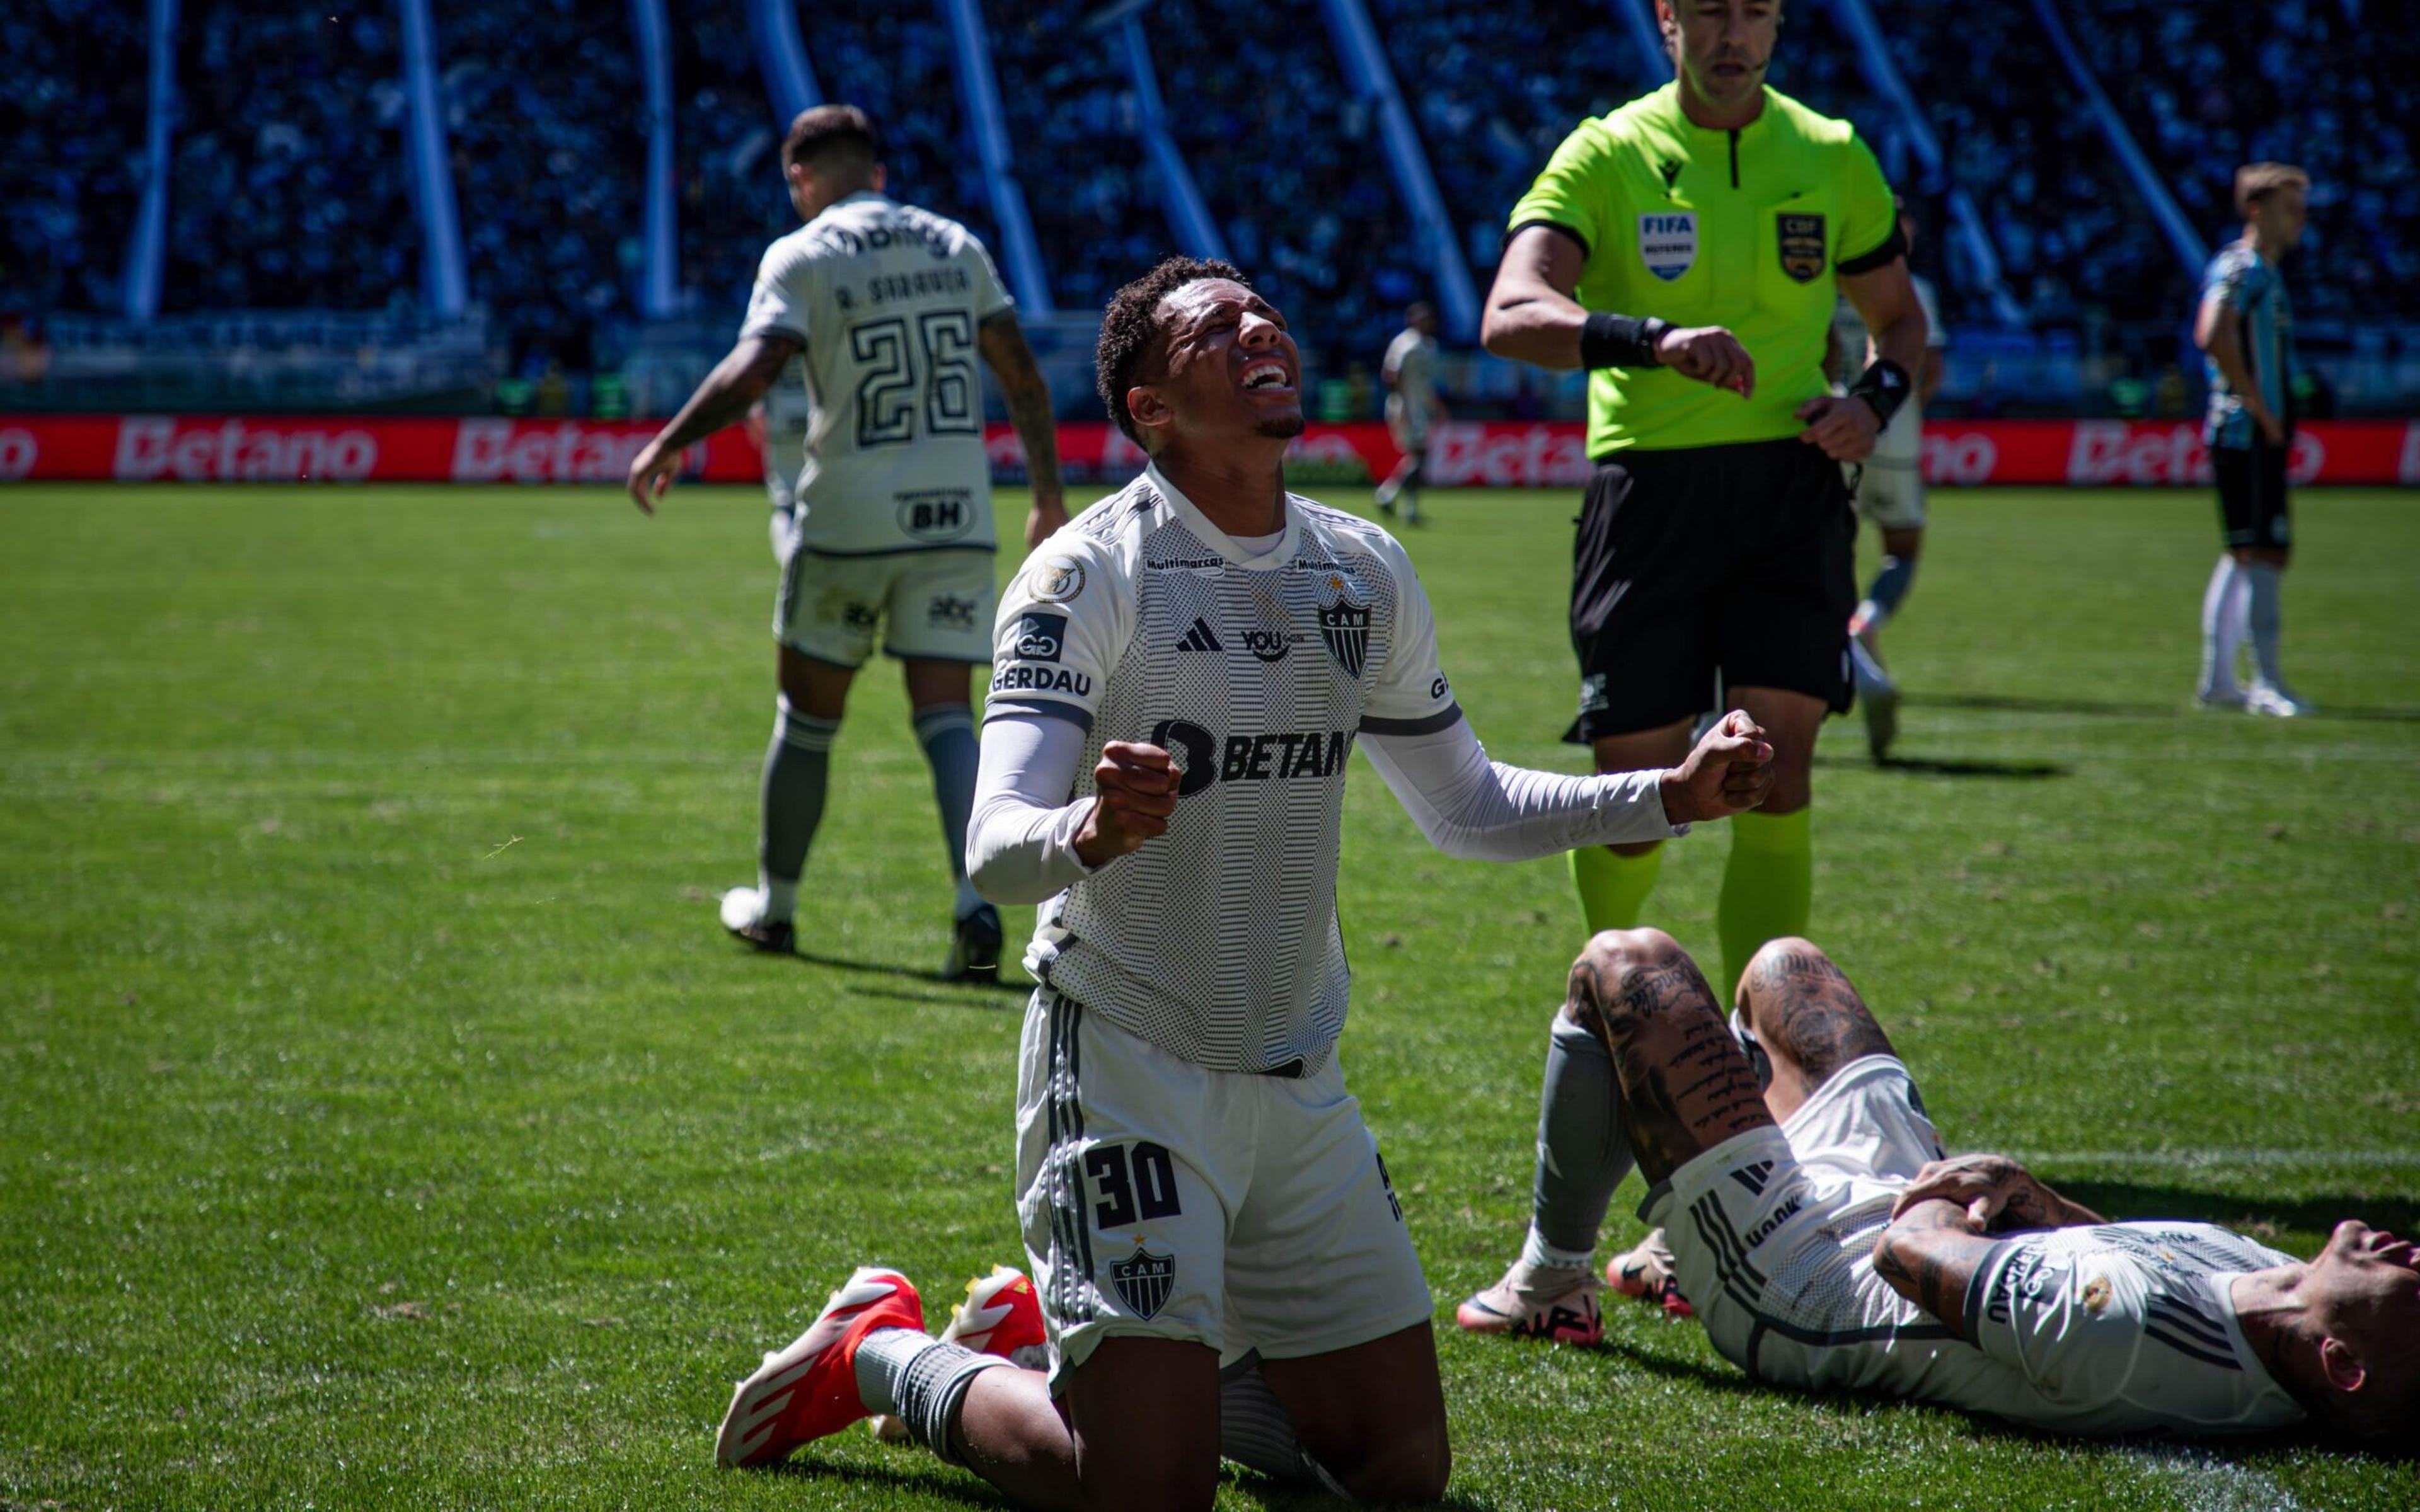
x,y
385,1122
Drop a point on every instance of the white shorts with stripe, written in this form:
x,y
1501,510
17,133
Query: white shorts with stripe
x,y
1163,1200
1772,1234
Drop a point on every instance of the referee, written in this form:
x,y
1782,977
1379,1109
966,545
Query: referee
x,y
1687,250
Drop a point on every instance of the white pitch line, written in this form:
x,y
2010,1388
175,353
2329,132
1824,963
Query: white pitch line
x,y
2206,1483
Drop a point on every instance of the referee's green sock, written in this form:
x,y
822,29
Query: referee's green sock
x,y
1767,886
1613,888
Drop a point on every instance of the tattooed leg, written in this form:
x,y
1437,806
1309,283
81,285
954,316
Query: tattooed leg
x,y
1687,1085
1808,1019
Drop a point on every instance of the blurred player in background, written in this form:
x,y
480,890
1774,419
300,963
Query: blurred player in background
x,y
882,308
779,424
1888,489
2246,329
1715,538
1409,373
1826,1245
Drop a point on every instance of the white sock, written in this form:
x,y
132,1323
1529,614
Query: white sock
x,y
781,898
2264,615
2223,613
1540,1256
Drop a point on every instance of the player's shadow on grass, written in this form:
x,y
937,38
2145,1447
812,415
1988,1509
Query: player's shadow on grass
x,y
932,1479
2124,709
1953,767
884,968
2124,1200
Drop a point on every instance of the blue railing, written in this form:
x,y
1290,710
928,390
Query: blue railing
x,y
147,249
2188,246
660,283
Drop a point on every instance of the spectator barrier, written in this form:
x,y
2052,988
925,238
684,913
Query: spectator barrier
x,y
1547,453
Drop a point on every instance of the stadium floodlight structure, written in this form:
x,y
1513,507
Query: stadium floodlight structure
x,y
979,92
1188,213
1373,80
782,53
660,289
2188,246
444,280
1966,223
147,248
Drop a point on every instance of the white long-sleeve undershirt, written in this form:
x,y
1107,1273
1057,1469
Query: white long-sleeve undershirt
x,y
1021,838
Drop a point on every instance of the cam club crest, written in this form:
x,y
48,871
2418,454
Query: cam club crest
x,y
1144,1280
1346,627
1801,237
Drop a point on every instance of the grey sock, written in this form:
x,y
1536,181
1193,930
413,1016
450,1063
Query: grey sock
x,y
1582,1152
1256,1431
2267,619
882,1357
933,1388
797,768
947,732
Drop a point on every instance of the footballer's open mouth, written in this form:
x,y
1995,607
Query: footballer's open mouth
x,y
1267,375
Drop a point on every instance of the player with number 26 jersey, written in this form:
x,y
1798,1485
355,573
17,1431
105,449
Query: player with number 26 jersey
x,y
886,299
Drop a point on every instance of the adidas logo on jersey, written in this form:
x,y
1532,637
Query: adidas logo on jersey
x,y
1200,638
1754,1176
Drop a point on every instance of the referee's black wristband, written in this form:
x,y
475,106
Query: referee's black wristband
x,y
1610,340
1883,386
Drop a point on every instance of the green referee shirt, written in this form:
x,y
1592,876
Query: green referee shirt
x,y
1743,229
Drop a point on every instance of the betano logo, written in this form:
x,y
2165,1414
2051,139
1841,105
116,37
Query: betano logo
x,y
1276,757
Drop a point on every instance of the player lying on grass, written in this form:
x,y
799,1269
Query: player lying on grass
x,y
1182,675
1823,1240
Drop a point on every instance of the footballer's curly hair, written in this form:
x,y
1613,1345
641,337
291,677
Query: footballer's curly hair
x,y
1130,329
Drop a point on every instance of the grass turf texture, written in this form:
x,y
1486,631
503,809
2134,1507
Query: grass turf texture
x,y
385,1120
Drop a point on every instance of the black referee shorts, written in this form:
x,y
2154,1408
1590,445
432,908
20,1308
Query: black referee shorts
x,y
1738,560
2252,494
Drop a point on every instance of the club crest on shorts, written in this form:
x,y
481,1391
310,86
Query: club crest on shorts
x,y
1668,242
1144,1280
1346,627
1801,237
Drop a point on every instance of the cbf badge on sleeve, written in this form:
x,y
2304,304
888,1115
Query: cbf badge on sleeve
x,y
1668,242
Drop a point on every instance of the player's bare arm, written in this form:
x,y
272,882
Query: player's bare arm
x,y
724,399
1136,785
1845,425
1028,394
1997,1192
2215,333
1930,1255
1532,317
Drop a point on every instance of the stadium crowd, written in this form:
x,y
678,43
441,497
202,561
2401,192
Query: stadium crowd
x,y
292,183
71,125
2202,100
291,186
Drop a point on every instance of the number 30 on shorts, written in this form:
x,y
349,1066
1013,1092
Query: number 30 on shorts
x,y
1136,1181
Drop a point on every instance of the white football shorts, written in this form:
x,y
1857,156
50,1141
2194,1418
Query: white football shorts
x,y
1163,1200
1891,490
1772,1235
933,605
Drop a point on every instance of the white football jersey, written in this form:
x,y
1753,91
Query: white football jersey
x,y
1852,343
1141,621
2125,1328
1414,357
886,298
